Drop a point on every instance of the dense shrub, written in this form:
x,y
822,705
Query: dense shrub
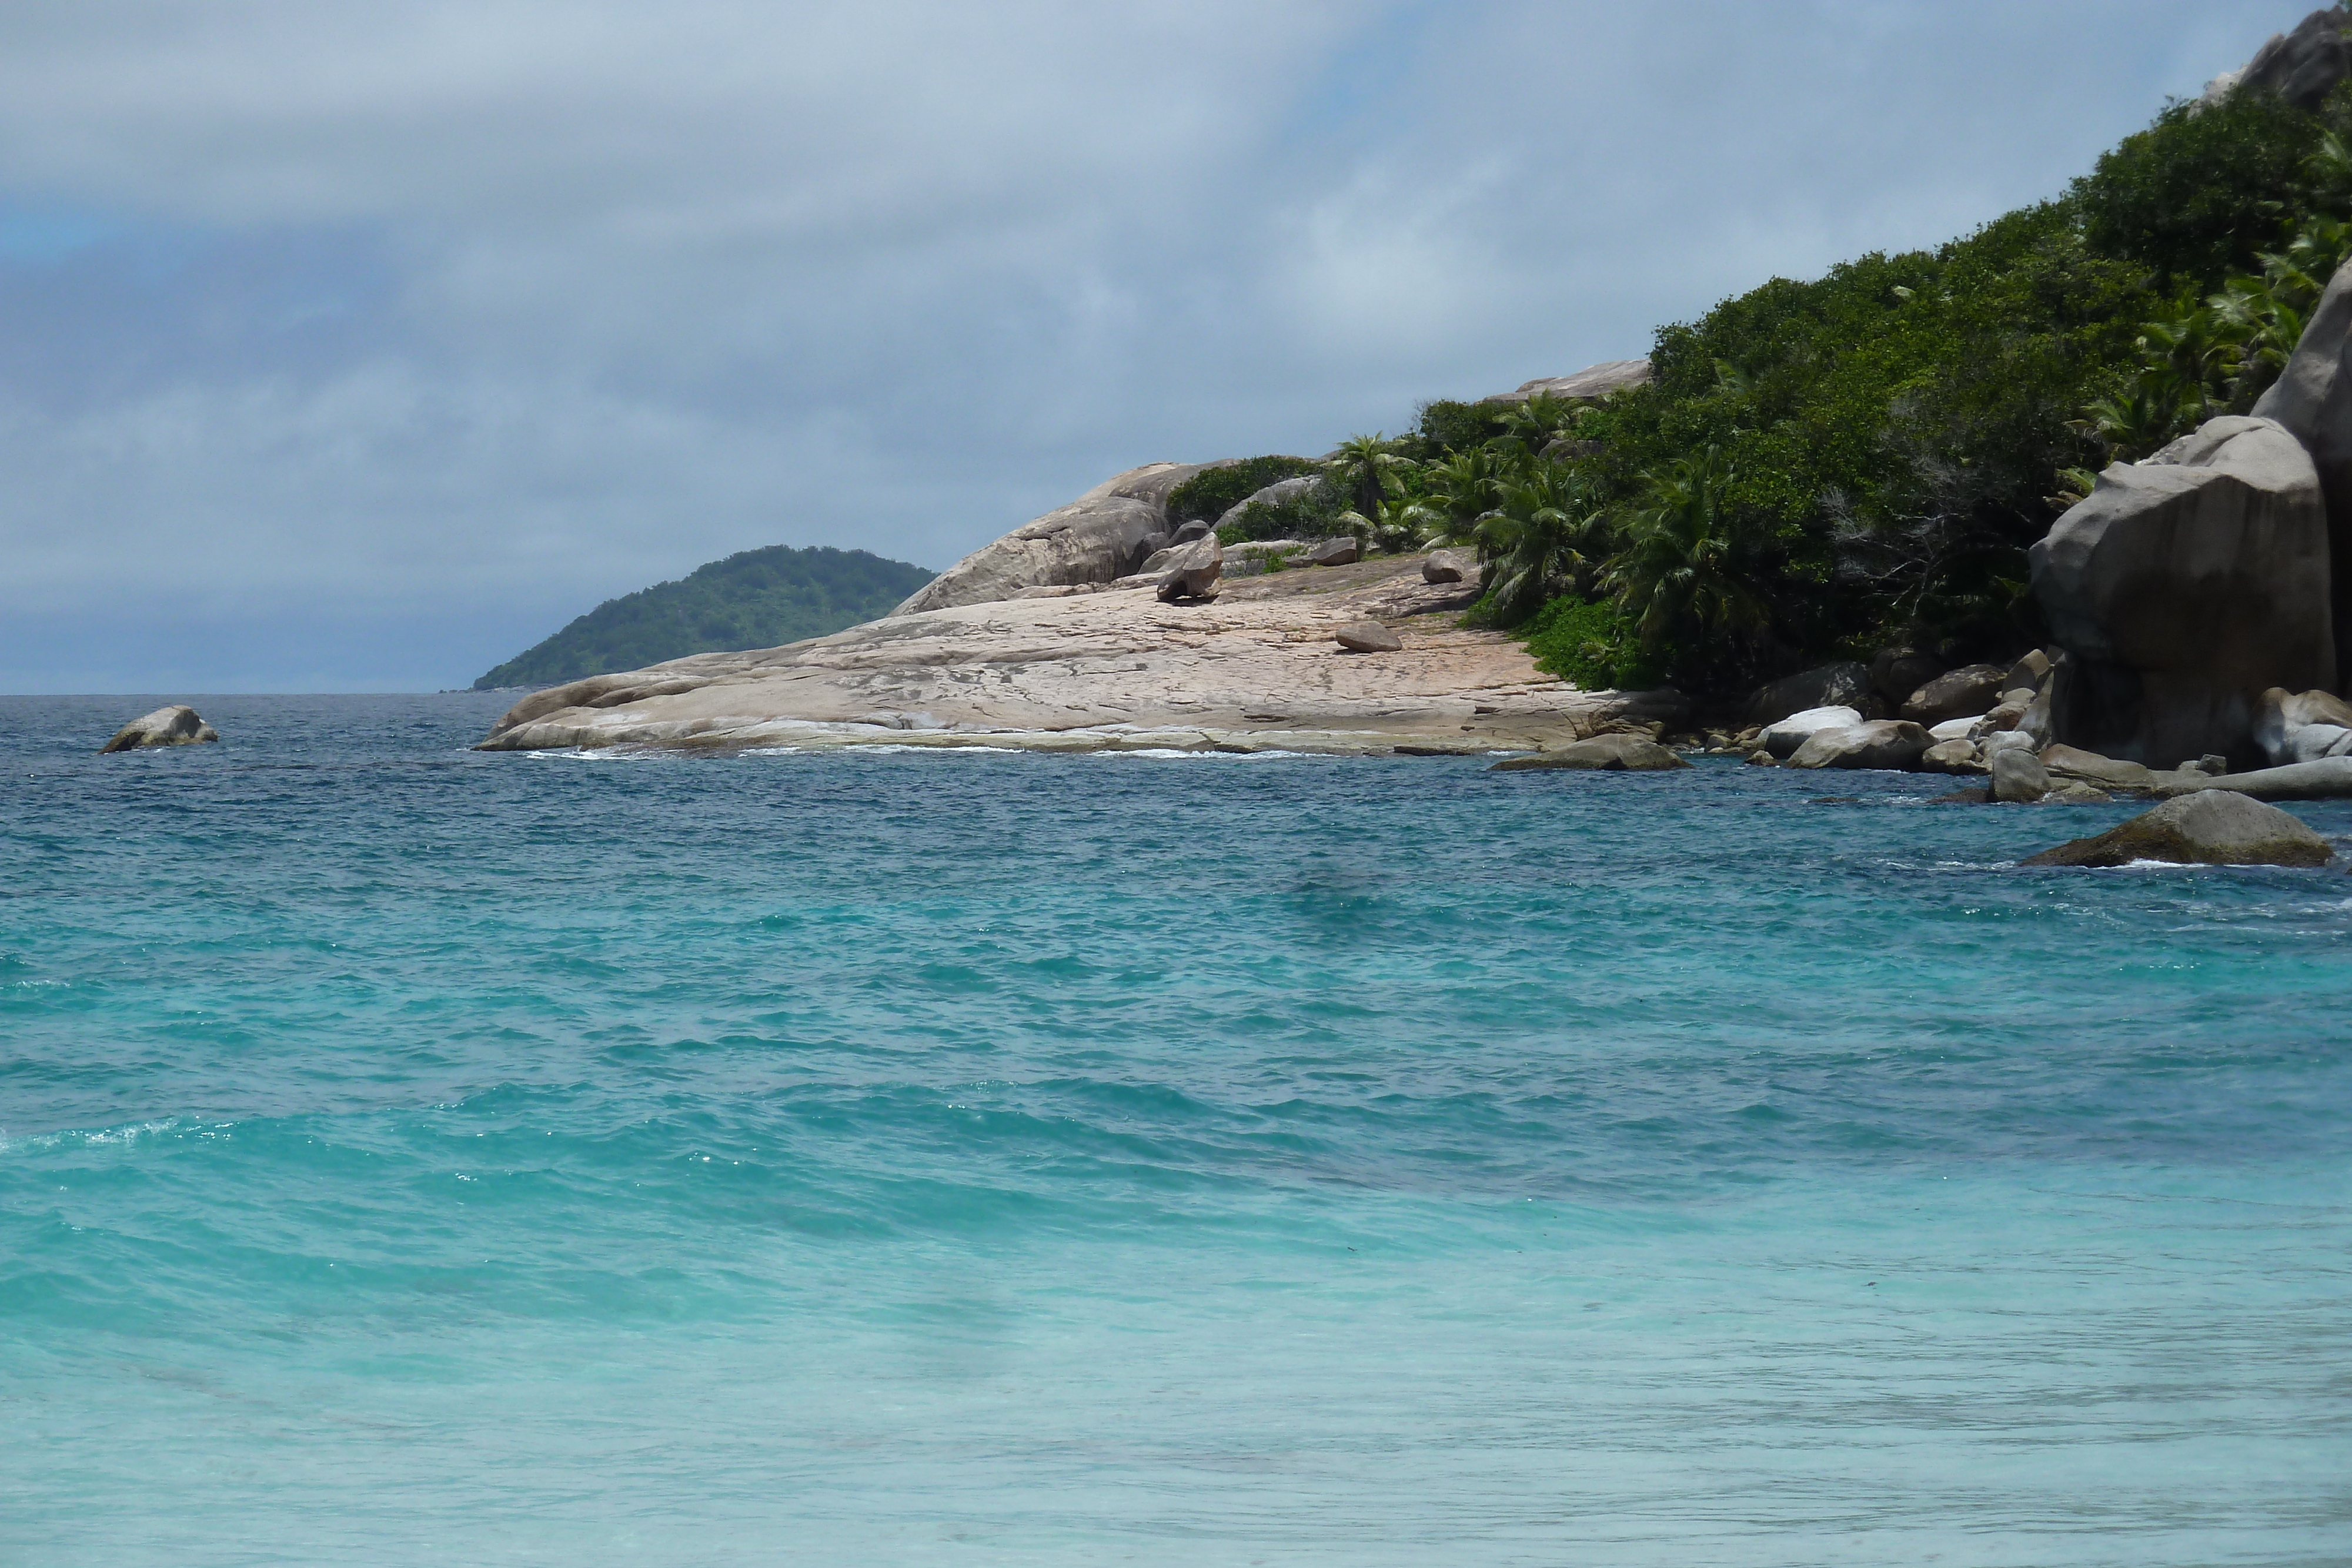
x,y
1314,513
1211,493
1592,643
1448,426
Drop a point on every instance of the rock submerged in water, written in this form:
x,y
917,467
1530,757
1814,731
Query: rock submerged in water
x,y
2211,827
177,725
1602,753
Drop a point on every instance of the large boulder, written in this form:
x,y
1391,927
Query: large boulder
x,y
2302,67
177,725
1829,686
1367,637
1955,693
2181,588
1098,538
2312,401
1782,738
1888,743
1593,381
2018,776
1605,753
1192,570
2213,827
2302,726
1897,672
1341,551
1449,566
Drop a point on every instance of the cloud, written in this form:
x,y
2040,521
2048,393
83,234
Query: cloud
x,y
323,322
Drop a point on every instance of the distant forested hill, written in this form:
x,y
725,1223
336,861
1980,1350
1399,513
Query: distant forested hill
x,y
758,598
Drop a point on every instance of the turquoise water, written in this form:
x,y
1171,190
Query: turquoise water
x,y
408,1155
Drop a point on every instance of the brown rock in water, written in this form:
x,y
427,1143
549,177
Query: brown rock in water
x,y
1367,637
177,725
1603,753
2213,827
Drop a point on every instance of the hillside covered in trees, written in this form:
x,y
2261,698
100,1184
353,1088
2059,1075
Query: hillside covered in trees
x,y
757,599
1823,467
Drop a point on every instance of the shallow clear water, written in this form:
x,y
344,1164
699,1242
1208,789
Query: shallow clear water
x,y
412,1156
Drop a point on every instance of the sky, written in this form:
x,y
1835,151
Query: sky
x,y
358,346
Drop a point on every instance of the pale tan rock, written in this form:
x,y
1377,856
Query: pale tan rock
x,y
1113,670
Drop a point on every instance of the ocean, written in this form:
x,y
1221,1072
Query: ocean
x,y
416,1155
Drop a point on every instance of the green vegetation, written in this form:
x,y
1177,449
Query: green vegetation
x,y
1211,493
1821,467
758,599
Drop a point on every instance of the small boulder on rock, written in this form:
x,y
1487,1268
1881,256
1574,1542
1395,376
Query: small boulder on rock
x,y
2211,827
1888,743
1341,551
1448,566
1603,753
1367,637
1192,570
1972,688
2302,726
177,725
1199,528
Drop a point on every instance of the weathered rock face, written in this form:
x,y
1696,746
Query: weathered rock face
x,y
2312,401
1593,380
1972,688
2302,67
1831,685
1602,753
177,725
2213,827
1096,539
2182,587
1888,743
1093,669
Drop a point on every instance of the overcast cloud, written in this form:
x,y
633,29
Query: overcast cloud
x,y
353,346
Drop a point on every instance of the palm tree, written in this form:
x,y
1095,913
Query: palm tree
x,y
1542,540
1679,569
1535,422
1367,472
1462,490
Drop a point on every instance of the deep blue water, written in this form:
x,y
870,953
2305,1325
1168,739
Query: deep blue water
x,y
410,1155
